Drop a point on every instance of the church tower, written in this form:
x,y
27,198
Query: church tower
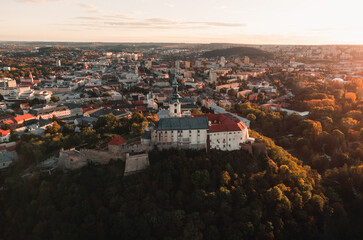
x,y
174,105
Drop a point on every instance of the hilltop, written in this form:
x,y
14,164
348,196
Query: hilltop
x,y
183,195
237,51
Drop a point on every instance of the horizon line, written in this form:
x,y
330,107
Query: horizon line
x,y
139,42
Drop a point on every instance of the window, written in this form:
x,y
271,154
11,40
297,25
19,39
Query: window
x,y
175,111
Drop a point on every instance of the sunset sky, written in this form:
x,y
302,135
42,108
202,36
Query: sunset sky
x,y
205,21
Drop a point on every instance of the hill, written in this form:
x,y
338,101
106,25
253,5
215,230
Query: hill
x,y
183,195
237,51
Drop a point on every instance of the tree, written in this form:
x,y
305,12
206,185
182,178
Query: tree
x,y
107,124
68,129
232,93
13,135
55,128
54,98
251,117
351,97
311,129
348,123
139,128
196,112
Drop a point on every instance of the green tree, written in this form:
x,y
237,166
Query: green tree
x,y
54,98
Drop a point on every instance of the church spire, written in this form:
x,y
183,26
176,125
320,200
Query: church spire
x,y
175,96
175,105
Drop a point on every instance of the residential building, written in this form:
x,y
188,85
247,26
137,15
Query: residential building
x,y
4,136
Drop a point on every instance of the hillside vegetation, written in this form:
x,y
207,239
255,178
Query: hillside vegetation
x,y
183,195
237,51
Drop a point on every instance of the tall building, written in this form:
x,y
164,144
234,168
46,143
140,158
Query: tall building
x,y
222,62
177,64
149,64
187,64
175,105
246,60
58,63
212,76
6,83
137,70
198,64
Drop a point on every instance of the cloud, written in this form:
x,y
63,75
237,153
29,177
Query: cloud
x,y
322,29
86,5
124,21
222,24
97,18
40,1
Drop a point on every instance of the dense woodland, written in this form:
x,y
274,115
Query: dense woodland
x,y
183,195
186,195
330,140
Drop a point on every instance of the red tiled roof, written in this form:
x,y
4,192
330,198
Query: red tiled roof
x,y
22,118
117,141
224,123
4,132
10,122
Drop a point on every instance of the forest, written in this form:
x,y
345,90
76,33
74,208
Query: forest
x,y
263,194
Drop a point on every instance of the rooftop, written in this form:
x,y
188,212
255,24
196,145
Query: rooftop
x,y
117,140
224,123
186,123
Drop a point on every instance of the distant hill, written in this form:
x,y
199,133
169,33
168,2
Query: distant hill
x,y
237,51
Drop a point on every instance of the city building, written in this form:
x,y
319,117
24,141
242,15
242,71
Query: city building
x,y
212,131
212,76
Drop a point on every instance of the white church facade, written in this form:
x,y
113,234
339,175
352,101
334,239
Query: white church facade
x,y
211,131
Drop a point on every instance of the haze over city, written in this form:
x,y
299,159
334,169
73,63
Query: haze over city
x,y
204,21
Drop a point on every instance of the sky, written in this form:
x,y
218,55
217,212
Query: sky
x,y
189,21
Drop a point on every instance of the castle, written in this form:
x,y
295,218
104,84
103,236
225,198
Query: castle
x,y
209,131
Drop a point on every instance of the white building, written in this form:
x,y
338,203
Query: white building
x,y
198,64
186,64
212,76
222,62
175,105
177,64
226,132
188,132
213,131
4,136
48,111
6,83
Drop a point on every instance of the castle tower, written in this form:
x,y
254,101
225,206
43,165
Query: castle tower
x,y
175,105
